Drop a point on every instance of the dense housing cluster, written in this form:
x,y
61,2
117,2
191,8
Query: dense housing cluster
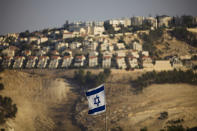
x,y
101,44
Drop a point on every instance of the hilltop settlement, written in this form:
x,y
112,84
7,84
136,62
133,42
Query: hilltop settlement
x,y
126,43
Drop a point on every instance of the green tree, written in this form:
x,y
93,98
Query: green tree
x,y
109,28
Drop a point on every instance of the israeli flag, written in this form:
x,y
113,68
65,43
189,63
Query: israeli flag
x,y
96,100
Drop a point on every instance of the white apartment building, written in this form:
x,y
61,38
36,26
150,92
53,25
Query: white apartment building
x,y
137,46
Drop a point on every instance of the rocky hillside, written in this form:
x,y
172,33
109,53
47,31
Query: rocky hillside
x,y
128,111
41,101
170,46
47,102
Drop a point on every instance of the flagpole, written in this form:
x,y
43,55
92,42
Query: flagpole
x,y
106,120
106,113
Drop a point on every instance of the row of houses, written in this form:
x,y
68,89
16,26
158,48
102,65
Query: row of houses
x,y
54,62
92,60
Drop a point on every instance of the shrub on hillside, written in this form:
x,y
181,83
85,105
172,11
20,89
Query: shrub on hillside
x,y
90,80
7,109
164,77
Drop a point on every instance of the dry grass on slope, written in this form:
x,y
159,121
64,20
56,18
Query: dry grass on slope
x,y
35,96
132,112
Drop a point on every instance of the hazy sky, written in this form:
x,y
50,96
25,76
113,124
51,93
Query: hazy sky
x,y
21,15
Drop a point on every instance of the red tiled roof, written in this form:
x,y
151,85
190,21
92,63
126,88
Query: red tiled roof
x,y
32,57
79,57
65,57
43,57
91,57
55,57
106,57
27,51
144,57
131,57
119,57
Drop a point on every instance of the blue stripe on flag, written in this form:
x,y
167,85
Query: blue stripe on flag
x,y
101,108
95,91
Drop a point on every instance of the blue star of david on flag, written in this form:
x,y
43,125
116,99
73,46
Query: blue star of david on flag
x,y
96,100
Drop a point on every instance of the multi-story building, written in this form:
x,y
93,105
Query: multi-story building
x,y
137,20
54,62
164,21
79,61
151,20
93,61
7,61
147,62
18,61
106,62
31,63
133,62
43,60
120,61
67,60
162,65
137,46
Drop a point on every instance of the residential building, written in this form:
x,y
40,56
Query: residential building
x,y
61,46
26,52
176,63
133,62
54,52
42,40
145,53
137,20
7,61
92,46
135,54
120,61
147,62
151,21
106,62
74,45
12,50
120,46
137,46
120,54
67,60
93,59
40,53
67,35
111,48
115,22
79,61
54,62
18,61
31,63
95,30
164,21
33,38
83,31
104,46
127,22
161,65
43,61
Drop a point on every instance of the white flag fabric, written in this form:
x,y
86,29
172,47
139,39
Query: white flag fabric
x,y
96,100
